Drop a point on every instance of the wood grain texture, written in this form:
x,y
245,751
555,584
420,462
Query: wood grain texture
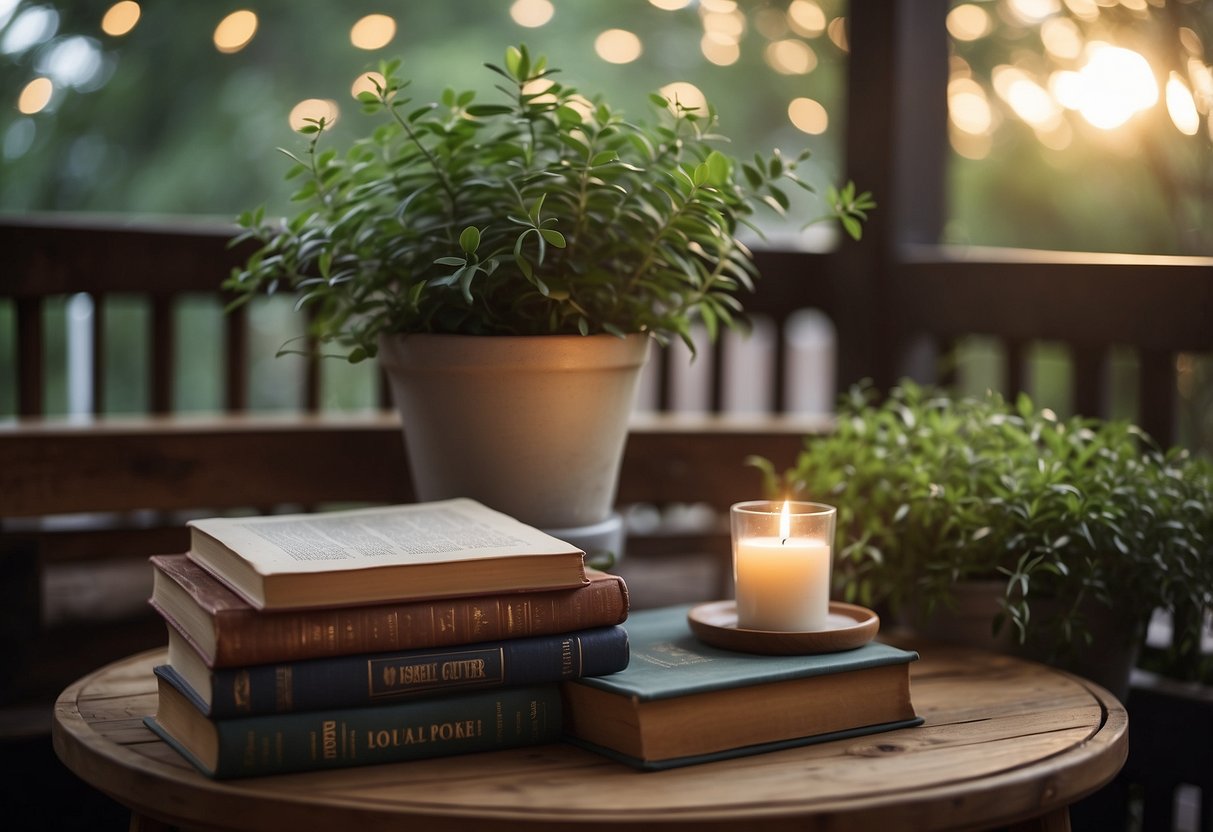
x,y
1005,741
234,461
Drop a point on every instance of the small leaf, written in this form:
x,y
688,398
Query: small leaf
x,y
469,239
554,237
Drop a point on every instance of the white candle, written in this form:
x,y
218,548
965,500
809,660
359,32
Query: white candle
x,y
782,582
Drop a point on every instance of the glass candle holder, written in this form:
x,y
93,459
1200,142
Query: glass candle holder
x,y
781,564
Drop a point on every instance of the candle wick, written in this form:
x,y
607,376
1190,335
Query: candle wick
x,y
783,542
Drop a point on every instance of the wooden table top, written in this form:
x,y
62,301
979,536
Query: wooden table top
x,y
1004,741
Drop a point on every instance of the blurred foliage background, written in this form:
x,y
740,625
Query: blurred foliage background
x,y
1075,124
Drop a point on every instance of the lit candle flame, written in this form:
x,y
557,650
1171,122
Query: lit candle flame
x,y
785,524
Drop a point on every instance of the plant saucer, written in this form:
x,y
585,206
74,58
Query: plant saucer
x,y
848,626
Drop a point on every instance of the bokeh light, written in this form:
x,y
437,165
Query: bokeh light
x,y
374,31
312,109
808,116
532,13
618,46
837,30
790,57
1033,11
684,93
1116,84
35,96
724,27
720,50
969,22
1181,106
670,5
806,18
1061,37
235,31
120,18
968,107
366,83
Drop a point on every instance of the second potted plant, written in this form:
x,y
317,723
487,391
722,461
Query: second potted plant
x,y
1057,536
487,252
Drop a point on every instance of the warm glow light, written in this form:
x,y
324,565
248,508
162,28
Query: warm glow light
x,y
1182,106
771,23
1057,137
374,31
670,5
1033,11
1116,83
969,22
1067,88
618,46
313,108
719,6
35,96
235,31
1085,9
968,107
1202,84
1191,42
837,30
1061,37
1030,101
537,87
120,18
719,50
532,13
684,93
806,18
785,522
731,26
808,116
1134,5
790,57
968,145
366,83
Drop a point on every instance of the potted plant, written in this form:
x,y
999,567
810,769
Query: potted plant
x,y
491,253
1081,527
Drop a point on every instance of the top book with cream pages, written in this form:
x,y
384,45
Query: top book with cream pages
x,y
361,556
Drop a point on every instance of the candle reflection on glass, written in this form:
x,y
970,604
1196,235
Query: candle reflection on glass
x,y
781,564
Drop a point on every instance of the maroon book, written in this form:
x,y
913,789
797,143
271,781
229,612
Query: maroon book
x,y
229,632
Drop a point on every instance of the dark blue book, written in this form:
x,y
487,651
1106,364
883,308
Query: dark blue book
x,y
681,701
339,737
375,678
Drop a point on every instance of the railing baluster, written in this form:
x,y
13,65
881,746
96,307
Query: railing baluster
x,y
1015,360
98,368
31,346
1156,408
1090,380
235,363
162,345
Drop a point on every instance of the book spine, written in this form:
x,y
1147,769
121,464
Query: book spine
x,y
352,681
484,721
246,637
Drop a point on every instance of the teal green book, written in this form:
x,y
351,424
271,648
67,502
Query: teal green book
x,y
337,738
681,701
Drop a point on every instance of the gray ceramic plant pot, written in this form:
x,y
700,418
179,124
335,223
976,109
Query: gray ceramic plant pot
x,y
533,426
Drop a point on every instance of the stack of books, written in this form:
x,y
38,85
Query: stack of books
x,y
300,642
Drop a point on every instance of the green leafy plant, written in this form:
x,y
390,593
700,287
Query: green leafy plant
x,y
933,490
545,212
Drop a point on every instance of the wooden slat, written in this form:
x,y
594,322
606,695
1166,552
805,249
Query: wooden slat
x,y
187,463
1078,298
1015,360
57,254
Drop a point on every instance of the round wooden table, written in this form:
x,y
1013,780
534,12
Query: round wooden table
x,y
1005,741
